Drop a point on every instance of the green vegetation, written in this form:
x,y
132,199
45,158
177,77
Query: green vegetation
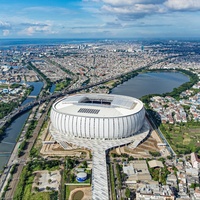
x,y
159,174
112,182
184,137
70,163
44,196
23,191
63,84
67,190
118,171
23,145
194,185
31,128
155,153
34,152
69,174
15,85
128,193
86,82
7,108
2,130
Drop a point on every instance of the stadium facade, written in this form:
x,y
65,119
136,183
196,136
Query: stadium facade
x,y
98,116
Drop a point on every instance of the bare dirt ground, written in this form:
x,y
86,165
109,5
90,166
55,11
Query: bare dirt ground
x,y
86,190
142,150
57,150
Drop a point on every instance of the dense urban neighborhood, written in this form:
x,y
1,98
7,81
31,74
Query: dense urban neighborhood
x,y
160,162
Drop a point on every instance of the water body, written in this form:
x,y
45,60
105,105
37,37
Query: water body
x,y
53,87
8,143
37,88
151,83
7,43
13,131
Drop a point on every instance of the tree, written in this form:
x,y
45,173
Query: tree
x,y
85,164
48,188
36,189
128,193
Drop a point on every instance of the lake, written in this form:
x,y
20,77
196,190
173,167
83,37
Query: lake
x,y
151,83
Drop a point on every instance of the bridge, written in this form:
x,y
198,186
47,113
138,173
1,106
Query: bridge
x,y
32,96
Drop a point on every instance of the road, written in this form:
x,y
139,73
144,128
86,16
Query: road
x,y
168,146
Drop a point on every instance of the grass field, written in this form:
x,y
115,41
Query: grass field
x,y
184,138
110,83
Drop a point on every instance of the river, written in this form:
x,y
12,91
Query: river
x,y
12,132
143,84
53,87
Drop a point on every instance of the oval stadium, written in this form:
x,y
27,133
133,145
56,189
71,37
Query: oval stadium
x,y
98,116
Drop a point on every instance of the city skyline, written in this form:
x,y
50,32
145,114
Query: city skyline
x,y
100,19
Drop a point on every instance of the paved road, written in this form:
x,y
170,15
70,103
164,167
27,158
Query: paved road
x,y
168,146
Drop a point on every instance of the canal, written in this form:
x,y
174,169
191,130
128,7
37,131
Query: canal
x,y
15,128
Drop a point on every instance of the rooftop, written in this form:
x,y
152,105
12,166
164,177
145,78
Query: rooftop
x,y
98,105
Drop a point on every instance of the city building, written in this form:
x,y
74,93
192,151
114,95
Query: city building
x,y
195,160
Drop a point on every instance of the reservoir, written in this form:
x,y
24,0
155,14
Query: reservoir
x,y
151,83
143,84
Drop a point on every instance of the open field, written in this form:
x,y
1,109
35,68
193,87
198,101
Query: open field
x,y
71,192
184,138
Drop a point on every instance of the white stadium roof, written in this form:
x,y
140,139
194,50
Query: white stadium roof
x,y
98,105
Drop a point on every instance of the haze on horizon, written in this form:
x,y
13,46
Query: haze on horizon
x,y
99,18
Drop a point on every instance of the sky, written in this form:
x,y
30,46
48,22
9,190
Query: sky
x,y
99,18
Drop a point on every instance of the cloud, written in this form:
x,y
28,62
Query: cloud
x,y
128,10
4,25
6,32
189,5
131,2
133,11
37,29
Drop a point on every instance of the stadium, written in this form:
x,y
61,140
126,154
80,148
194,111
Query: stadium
x,y
98,122
98,116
